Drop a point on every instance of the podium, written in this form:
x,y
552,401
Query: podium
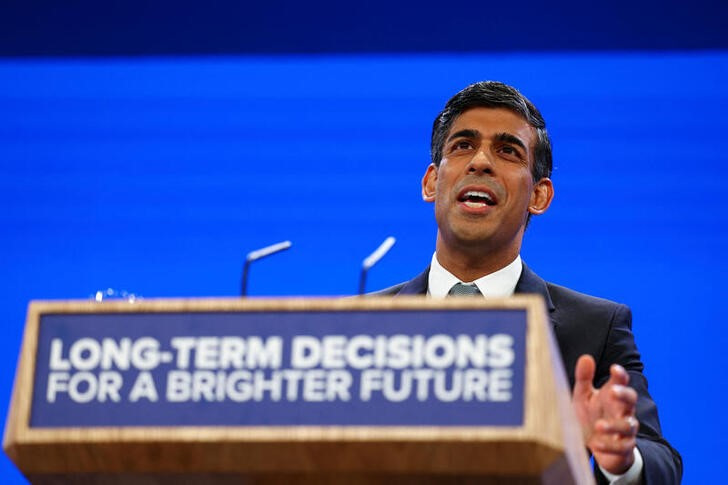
x,y
350,390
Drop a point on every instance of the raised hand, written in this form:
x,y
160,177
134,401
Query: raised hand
x,y
606,415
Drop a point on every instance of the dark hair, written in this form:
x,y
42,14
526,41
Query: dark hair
x,y
493,94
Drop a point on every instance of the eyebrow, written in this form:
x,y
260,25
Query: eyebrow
x,y
464,134
508,138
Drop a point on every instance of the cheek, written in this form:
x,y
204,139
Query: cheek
x,y
441,191
524,192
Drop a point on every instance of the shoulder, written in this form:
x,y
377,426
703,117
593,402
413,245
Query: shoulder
x,y
415,286
566,299
587,318
392,290
565,303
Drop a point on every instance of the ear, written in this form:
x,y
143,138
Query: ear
x,y
429,184
541,197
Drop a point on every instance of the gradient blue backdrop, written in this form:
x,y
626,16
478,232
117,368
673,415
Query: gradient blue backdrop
x,y
157,176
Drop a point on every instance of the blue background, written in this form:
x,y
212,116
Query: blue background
x,y
158,173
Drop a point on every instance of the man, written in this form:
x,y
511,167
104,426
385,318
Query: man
x,y
491,163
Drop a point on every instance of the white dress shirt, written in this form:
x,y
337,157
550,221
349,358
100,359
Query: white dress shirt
x,y
502,283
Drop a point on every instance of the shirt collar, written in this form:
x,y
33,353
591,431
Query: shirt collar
x,y
502,283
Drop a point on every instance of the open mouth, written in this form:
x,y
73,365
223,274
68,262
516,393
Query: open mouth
x,y
476,199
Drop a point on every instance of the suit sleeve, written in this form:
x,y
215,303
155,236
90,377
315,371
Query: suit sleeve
x,y
662,463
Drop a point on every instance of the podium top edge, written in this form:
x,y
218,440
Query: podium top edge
x,y
292,304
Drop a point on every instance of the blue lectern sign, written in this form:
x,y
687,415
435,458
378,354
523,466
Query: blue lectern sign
x,y
254,368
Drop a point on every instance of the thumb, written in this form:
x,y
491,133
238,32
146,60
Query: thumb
x,y
583,376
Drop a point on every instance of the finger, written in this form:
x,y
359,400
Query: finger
x,y
612,444
626,427
584,376
618,401
624,395
617,375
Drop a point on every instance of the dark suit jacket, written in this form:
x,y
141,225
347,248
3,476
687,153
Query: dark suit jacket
x,y
587,325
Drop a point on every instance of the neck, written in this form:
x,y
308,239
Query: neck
x,y
471,263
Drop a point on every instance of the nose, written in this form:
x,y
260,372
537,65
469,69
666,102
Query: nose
x,y
480,163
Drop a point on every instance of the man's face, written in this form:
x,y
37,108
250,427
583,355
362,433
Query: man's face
x,y
483,189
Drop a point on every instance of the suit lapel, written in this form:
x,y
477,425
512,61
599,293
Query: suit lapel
x,y
417,285
530,282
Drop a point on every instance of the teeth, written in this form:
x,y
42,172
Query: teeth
x,y
482,195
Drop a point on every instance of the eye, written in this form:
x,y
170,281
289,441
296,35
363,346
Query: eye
x,y
461,145
511,152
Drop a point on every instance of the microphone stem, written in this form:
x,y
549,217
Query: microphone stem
x,y
244,279
362,281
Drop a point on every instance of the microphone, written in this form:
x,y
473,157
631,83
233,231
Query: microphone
x,y
373,259
255,256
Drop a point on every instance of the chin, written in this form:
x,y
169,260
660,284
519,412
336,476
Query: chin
x,y
474,238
